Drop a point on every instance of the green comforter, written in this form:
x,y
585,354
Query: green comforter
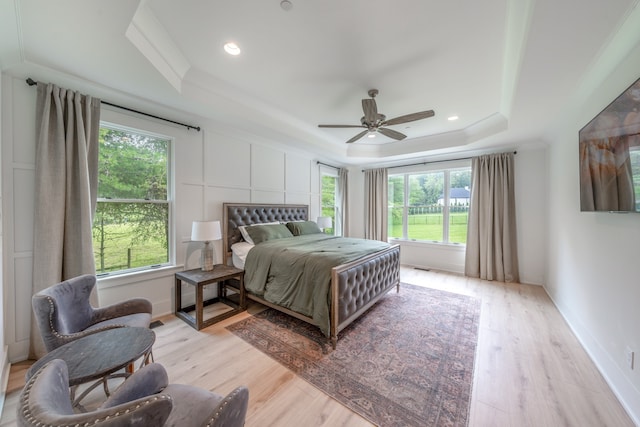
x,y
295,272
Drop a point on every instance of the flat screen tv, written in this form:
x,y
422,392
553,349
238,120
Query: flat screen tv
x,y
610,156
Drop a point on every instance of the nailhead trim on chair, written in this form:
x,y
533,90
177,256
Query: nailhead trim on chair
x,y
225,402
32,419
70,337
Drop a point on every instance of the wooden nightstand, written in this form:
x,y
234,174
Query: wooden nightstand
x,y
198,278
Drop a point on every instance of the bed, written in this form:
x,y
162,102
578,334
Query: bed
x,y
353,286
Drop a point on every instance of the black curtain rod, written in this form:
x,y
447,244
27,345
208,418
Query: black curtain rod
x,y
32,82
324,164
426,163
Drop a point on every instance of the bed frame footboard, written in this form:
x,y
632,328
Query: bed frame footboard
x,y
357,285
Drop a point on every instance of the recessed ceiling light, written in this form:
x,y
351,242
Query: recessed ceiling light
x,y
452,118
232,49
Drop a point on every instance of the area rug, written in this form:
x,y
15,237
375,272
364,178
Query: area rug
x,y
407,362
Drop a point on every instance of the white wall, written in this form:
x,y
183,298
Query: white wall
x,y
594,258
532,200
211,167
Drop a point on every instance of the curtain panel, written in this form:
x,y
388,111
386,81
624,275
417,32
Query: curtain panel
x,y
343,202
376,191
66,182
491,236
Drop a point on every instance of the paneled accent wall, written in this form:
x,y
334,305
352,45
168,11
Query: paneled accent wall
x,y
18,173
209,168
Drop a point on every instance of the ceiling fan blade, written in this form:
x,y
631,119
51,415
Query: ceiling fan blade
x,y
370,110
358,136
392,133
341,126
409,118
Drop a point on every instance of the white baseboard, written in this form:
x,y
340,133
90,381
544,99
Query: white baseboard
x,y
617,380
451,268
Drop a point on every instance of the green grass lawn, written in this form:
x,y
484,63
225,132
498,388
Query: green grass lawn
x,y
428,227
121,254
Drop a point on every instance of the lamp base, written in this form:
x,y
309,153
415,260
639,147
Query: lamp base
x,y
206,259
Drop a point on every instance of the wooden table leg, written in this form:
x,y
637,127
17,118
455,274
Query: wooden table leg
x,y
199,306
178,296
243,302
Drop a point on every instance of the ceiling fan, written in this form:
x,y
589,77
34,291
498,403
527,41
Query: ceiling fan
x,y
373,121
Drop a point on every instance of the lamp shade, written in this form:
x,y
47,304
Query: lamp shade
x,y
324,222
205,231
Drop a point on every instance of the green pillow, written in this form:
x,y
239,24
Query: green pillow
x,y
298,228
262,233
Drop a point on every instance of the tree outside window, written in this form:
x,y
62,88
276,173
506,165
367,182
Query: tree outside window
x,y
131,225
329,203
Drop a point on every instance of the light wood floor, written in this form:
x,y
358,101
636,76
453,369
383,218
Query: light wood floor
x,y
530,369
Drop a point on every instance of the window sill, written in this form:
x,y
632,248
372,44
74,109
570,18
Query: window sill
x,y
458,247
137,276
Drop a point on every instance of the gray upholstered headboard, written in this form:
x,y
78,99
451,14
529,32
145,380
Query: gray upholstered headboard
x,y
237,214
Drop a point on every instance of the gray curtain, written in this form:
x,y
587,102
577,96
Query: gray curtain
x,y
491,237
375,193
343,203
66,182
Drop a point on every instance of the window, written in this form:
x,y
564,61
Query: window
x,y
131,225
329,204
430,206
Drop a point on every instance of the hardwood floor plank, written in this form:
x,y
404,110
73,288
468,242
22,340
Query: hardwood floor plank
x,y
487,415
530,369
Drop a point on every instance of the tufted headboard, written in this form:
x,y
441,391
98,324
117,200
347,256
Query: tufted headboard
x,y
237,214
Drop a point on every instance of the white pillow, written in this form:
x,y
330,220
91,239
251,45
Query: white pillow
x,y
239,253
246,236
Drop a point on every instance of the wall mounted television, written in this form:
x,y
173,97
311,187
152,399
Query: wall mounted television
x,y
610,156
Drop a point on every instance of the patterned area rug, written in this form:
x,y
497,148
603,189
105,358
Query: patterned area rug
x,y
407,362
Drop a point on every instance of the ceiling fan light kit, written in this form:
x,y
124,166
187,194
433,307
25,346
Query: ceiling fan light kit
x,y
374,122
286,5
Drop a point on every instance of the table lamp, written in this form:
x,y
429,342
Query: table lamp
x,y
206,231
324,222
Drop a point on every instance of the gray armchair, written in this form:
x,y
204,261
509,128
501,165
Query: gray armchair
x,y
63,312
144,399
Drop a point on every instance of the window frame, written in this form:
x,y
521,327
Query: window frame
x,y
142,128
447,169
330,172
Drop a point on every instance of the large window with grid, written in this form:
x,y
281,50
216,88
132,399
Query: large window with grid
x,y
430,206
131,225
